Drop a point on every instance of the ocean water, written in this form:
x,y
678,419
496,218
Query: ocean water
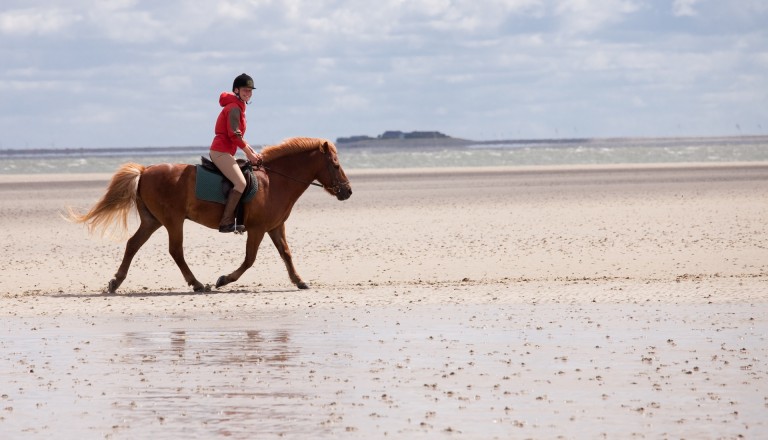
x,y
501,153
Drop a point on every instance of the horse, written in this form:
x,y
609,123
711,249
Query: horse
x,y
164,195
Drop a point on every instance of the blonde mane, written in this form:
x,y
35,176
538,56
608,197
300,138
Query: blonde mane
x,y
295,145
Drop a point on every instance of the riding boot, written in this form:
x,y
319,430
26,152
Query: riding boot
x,y
227,223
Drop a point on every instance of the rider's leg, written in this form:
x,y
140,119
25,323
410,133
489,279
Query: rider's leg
x,y
228,166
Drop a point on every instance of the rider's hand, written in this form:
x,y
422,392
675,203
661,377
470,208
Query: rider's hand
x,y
255,159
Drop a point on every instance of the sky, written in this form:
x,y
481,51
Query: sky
x,y
126,73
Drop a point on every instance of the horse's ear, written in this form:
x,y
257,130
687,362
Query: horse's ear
x,y
325,146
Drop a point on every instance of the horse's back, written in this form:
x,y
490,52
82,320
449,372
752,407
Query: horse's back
x,y
166,187
166,178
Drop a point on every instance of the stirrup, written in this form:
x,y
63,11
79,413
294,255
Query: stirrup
x,y
232,228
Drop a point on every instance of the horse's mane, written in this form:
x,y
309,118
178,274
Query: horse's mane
x,y
295,145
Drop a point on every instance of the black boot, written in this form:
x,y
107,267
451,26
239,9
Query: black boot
x,y
227,223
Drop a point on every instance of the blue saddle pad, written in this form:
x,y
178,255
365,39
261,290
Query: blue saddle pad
x,y
214,187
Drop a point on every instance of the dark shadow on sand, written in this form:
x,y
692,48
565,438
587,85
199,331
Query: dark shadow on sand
x,y
170,293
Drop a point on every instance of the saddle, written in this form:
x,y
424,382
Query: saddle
x,y
213,186
208,164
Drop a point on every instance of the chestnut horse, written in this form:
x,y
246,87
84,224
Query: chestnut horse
x,y
164,195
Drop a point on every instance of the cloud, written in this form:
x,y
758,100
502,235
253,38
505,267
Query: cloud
x,y
149,73
347,102
470,15
587,16
123,24
26,22
684,8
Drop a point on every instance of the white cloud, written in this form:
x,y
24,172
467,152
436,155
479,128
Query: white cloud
x,y
469,15
375,20
127,26
41,21
177,81
338,67
129,22
466,78
684,8
91,115
586,16
350,102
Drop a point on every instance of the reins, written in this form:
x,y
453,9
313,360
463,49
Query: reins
x,y
336,182
291,177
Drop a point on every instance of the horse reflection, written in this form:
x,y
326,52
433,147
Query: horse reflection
x,y
212,348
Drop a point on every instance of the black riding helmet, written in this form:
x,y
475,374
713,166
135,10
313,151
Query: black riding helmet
x,y
242,80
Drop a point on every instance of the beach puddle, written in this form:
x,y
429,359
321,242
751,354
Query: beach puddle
x,y
477,371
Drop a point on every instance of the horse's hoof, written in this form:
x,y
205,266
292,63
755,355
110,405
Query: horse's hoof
x,y
302,285
222,281
199,288
112,286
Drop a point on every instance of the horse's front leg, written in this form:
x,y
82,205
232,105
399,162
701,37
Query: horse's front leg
x,y
176,248
251,248
281,243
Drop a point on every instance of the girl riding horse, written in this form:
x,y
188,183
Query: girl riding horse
x,y
230,132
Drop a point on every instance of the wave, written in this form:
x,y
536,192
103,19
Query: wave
x,y
478,154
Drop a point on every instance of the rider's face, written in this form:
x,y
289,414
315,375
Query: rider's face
x,y
245,93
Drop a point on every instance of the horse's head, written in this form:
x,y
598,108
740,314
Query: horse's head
x,y
331,175
318,160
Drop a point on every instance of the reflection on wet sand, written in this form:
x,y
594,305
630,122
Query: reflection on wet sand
x,y
174,395
211,348
479,371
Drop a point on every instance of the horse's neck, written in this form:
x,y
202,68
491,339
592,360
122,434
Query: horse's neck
x,y
297,167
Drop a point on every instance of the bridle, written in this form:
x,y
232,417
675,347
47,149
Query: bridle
x,y
329,163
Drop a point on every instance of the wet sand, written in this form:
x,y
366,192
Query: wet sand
x,y
598,302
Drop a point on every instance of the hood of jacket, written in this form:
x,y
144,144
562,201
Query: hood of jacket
x,y
227,98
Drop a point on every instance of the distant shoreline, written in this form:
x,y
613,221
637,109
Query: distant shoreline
x,y
97,151
553,142
446,142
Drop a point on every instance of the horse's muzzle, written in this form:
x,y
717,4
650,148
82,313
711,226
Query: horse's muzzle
x,y
344,192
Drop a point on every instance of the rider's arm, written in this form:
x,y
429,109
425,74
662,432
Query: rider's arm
x,y
237,137
234,132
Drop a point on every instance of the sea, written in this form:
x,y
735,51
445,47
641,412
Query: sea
x,y
508,153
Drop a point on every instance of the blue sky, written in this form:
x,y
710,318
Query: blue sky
x,y
123,73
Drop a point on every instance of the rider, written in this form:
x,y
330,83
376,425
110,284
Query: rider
x,y
230,129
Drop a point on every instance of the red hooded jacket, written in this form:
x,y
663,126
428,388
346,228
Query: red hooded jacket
x,y
230,125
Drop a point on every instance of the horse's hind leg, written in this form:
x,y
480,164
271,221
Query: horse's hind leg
x,y
147,227
176,248
281,243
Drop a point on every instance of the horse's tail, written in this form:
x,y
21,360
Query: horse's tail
x,y
115,204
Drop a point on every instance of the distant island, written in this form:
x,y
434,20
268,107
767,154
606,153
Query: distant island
x,y
393,134
426,139
422,139
396,138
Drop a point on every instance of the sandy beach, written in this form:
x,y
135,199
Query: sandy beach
x,y
562,302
